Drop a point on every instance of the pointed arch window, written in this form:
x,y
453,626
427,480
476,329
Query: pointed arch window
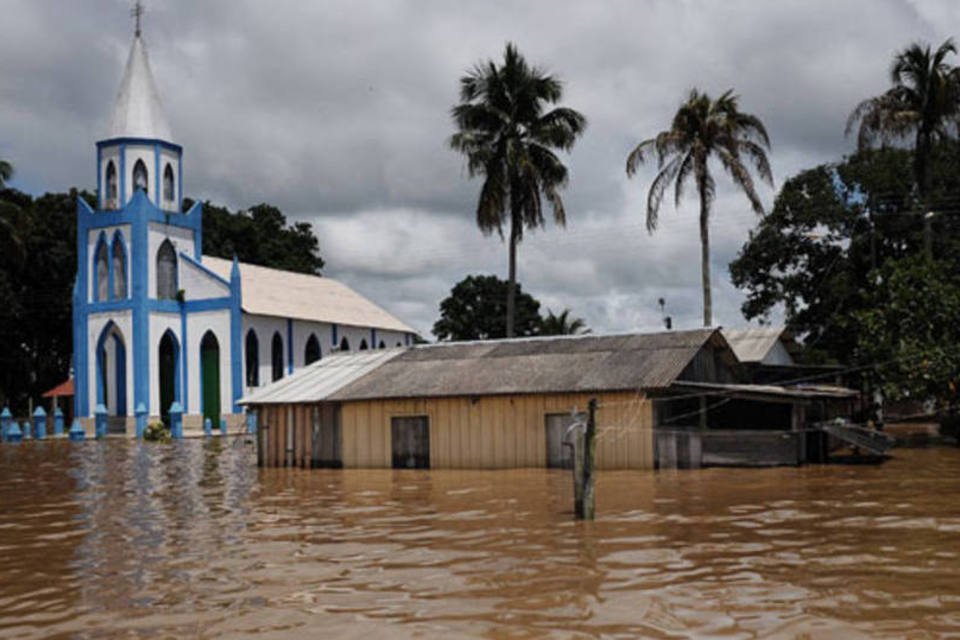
x,y
168,193
344,344
382,345
253,359
101,271
276,356
140,177
312,351
363,345
119,267
111,182
166,271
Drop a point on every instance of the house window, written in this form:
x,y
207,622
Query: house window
x,y
344,344
253,359
119,268
410,442
276,356
140,180
166,271
111,190
168,194
101,272
312,351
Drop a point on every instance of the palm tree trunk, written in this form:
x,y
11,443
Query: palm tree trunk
x,y
705,259
512,275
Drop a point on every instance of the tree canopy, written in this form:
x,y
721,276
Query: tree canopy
x,y
475,309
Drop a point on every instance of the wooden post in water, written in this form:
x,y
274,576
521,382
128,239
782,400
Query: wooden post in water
x,y
577,446
588,464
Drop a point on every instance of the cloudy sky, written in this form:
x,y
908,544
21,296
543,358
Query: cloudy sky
x,y
338,113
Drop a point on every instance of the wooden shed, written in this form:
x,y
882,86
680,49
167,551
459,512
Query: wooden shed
x,y
482,405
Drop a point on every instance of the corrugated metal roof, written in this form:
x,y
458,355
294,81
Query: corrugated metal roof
x,y
537,365
285,294
754,343
800,391
136,111
319,380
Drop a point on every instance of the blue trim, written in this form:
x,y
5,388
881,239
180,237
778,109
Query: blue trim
x,y
101,244
109,142
180,185
172,306
178,358
126,267
122,195
334,342
100,188
140,295
156,181
289,345
121,367
373,338
186,361
236,338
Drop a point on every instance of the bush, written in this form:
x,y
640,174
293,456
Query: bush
x,y
156,432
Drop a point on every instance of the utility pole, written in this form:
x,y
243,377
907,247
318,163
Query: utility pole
x,y
928,234
585,507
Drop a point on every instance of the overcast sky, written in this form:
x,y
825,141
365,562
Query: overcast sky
x,y
338,113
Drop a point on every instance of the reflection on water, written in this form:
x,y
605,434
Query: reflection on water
x,y
192,540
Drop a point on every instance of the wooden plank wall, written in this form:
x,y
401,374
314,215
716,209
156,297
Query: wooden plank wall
x,y
495,432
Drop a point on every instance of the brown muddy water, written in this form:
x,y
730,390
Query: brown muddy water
x,y
121,539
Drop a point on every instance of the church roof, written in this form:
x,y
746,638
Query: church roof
x,y
137,112
285,294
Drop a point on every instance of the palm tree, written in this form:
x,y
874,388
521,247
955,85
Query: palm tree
x,y
562,324
703,129
6,172
924,102
10,241
510,138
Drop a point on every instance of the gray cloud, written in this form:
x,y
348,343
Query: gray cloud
x,y
338,112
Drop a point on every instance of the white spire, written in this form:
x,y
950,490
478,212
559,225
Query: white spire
x,y
137,112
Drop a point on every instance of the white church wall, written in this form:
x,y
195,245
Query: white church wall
x,y
96,323
159,324
264,327
197,284
197,326
302,331
93,237
134,153
182,240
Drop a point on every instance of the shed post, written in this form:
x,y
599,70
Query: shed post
x,y
141,417
6,418
100,421
223,426
577,471
251,421
76,431
207,427
176,420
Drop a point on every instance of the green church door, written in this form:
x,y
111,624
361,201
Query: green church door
x,y
168,375
210,377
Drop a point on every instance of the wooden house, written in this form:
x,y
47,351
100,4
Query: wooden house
x,y
511,403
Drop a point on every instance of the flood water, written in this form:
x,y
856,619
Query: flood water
x,y
122,539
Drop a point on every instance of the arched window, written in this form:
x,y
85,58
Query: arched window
x,y
119,267
398,344
363,345
168,183
111,182
312,351
253,359
381,345
276,356
344,344
101,270
140,180
166,271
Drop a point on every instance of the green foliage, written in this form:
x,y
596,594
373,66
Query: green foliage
x,y
157,432
813,254
475,309
562,324
705,129
911,326
260,235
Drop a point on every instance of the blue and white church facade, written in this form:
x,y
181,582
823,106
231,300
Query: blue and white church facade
x,y
155,322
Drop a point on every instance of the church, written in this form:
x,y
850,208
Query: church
x,y
155,322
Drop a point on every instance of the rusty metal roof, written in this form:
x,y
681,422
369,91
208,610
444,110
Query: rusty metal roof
x,y
531,365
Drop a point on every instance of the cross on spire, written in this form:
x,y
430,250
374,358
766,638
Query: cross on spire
x,y
137,12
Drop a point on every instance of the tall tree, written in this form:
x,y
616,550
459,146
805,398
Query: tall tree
x,y
562,324
474,309
510,139
924,102
702,129
6,172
